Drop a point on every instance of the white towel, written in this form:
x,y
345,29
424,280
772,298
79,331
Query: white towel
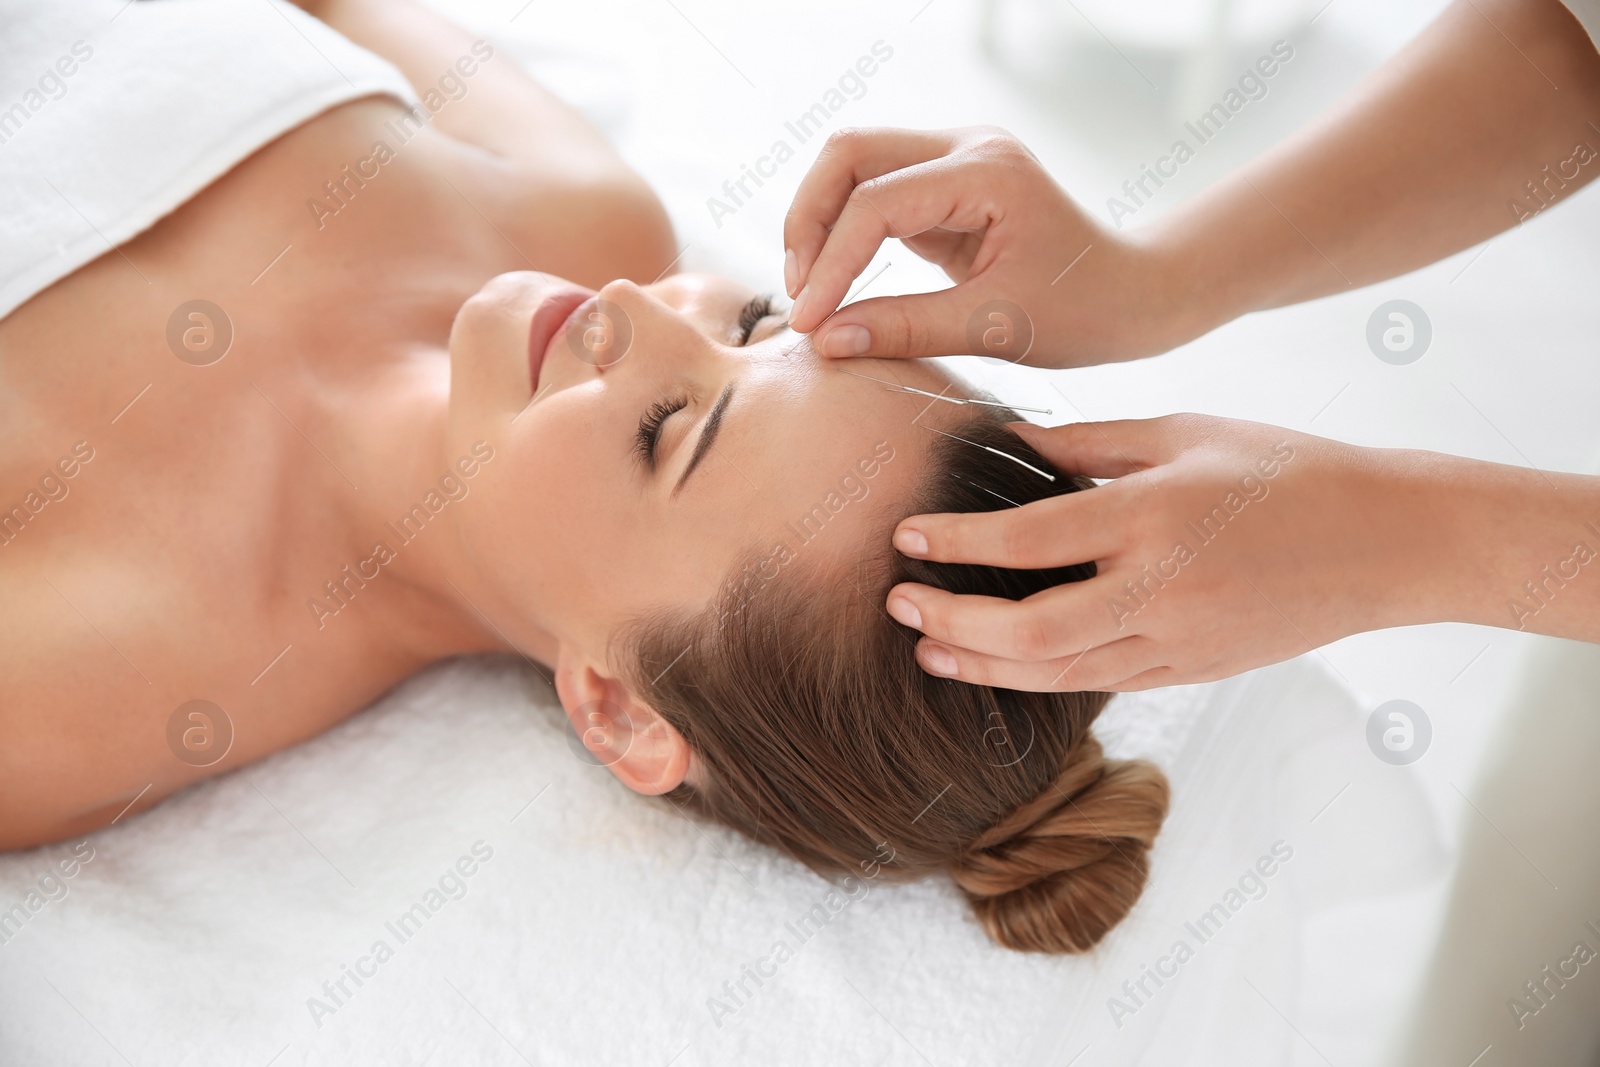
x,y
596,926
113,113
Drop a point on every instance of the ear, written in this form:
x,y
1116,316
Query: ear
x,y
616,728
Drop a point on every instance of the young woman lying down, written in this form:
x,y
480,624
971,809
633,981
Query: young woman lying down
x,y
470,410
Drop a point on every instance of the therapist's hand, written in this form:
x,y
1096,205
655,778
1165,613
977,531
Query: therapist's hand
x,y
1219,545
1037,281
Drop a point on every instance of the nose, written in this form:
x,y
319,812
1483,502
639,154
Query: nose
x,y
622,292
602,332
627,316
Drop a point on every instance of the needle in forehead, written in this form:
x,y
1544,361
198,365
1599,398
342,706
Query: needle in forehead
x,y
842,305
950,399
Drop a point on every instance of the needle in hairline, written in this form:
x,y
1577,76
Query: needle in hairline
x,y
1020,462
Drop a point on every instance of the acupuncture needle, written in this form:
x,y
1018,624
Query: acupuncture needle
x,y
949,399
1021,463
842,305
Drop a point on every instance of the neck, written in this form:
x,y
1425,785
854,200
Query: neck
x,y
403,518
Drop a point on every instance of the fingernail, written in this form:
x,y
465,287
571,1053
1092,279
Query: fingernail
x,y
847,340
791,271
905,611
911,542
800,300
938,659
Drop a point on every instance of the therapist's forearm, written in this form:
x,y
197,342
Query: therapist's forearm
x,y
1504,546
1423,159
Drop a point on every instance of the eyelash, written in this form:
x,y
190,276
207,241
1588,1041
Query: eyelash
x,y
751,317
649,435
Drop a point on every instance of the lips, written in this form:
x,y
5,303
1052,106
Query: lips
x,y
549,319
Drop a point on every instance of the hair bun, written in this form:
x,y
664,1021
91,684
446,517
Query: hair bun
x,y
1063,869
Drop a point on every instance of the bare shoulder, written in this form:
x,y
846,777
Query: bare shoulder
x,y
65,704
551,181
394,189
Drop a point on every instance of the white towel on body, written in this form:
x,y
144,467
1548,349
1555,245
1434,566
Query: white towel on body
x,y
115,112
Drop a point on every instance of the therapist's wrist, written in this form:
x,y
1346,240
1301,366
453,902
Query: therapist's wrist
x,y
1186,294
1522,548
1448,539
1380,538
1227,253
1426,534
1140,295
1362,541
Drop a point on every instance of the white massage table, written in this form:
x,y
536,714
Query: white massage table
x,y
530,908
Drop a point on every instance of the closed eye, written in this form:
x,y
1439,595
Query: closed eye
x,y
648,438
751,315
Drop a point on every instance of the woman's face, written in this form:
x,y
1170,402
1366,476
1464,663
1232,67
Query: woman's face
x,y
658,440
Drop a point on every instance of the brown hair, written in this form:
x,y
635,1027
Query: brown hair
x,y
816,731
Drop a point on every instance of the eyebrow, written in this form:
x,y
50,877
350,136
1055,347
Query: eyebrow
x,y
708,436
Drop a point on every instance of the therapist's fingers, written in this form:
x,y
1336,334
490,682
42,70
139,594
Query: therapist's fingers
x,y
1095,668
849,158
1059,621
901,204
1057,531
921,324
1101,449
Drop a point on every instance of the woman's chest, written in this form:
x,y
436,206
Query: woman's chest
x,y
153,563
164,483
166,467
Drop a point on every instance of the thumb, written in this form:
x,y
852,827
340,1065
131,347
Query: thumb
x,y
898,327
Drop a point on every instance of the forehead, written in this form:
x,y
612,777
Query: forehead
x,y
806,423
815,461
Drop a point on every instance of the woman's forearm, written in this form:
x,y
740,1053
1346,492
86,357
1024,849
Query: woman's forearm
x,y
471,93
1491,114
